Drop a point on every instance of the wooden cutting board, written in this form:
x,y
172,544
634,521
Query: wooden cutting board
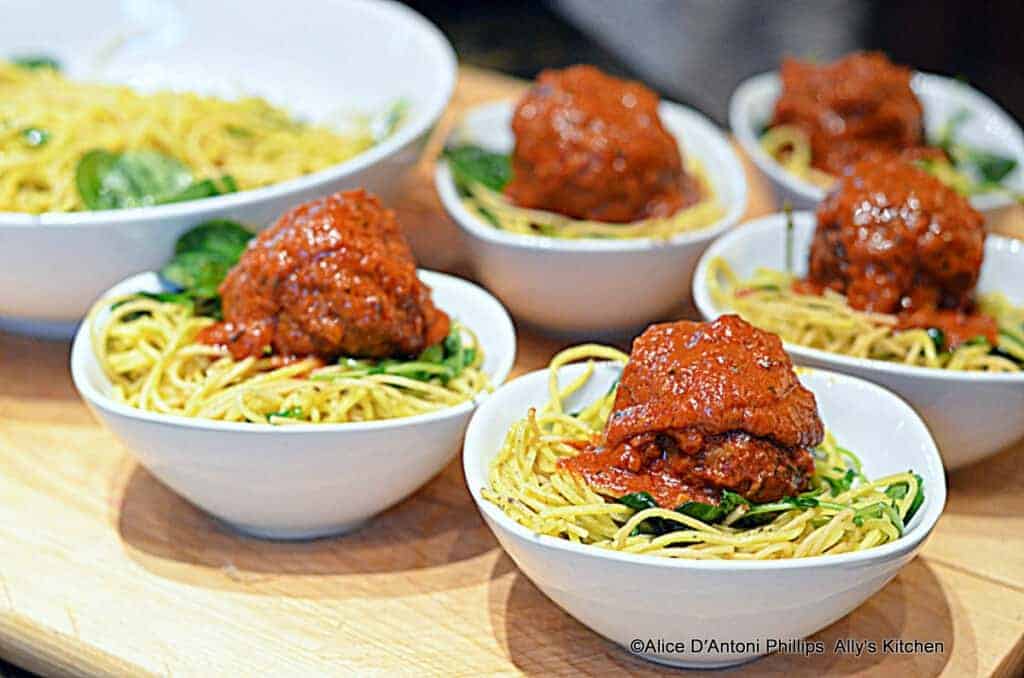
x,y
103,570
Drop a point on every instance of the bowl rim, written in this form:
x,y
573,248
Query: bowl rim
x,y
445,185
82,356
935,501
743,129
421,122
802,219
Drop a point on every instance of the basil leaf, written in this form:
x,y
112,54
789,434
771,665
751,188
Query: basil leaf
x,y
35,61
197,272
918,499
290,413
992,168
133,179
454,354
218,235
433,354
731,500
108,180
638,501
207,188
471,164
938,338
35,136
709,513
89,173
840,485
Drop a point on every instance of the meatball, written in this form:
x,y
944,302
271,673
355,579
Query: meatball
x,y
857,105
591,146
334,276
893,238
706,407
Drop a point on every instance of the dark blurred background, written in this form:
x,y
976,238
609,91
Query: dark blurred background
x,y
697,51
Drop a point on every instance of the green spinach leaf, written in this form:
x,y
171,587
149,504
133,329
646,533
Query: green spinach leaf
x,y
35,136
474,164
202,258
988,168
840,485
108,180
290,413
221,236
34,61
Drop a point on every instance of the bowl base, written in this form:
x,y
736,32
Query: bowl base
x,y
295,533
36,327
697,662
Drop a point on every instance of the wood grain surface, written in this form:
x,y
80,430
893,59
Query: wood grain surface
x,y
103,570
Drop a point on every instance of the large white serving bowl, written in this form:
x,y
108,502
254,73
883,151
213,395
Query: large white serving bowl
x,y
593,286
971,414
625,597
987,127
306,480
324,60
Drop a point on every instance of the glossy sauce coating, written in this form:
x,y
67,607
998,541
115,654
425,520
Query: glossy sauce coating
x,y
894,239
857,105
703,407
334,276
591,146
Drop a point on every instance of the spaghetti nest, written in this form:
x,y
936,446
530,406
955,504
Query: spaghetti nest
x,y
147,349
48,123
827,322
493,207
790,146
844,511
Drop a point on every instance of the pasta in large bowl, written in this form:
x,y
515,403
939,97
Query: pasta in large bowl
x,y
144,120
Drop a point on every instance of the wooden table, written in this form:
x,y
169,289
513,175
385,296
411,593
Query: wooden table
x,y
103,570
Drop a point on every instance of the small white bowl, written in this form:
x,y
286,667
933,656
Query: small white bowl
x,y
971,414
324,61
305,480
593,286
625,597
988,127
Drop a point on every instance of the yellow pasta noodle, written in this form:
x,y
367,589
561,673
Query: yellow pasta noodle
x,y
493,207
827,322
838,515
148,350
48,123
790,146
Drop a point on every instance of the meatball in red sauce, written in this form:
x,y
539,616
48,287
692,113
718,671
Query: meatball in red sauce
x,y
895,239
857,105
701,408
334,276
592,146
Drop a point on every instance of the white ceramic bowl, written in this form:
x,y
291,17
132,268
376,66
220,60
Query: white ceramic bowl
x,y
971,414
988,127
323,60
625,597
305,480
593,286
